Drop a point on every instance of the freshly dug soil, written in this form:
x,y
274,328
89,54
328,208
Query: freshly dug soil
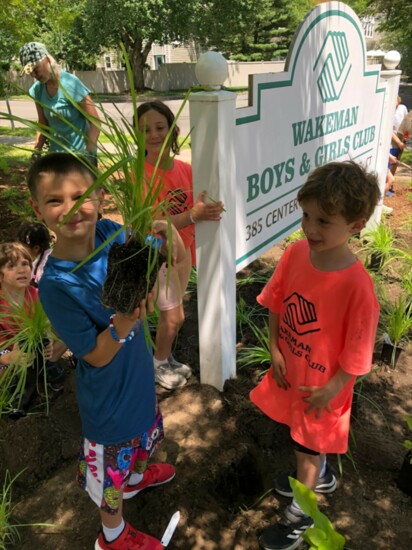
x,y
131,274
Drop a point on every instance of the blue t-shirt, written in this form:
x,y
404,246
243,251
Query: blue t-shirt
x,y
59,105
117,402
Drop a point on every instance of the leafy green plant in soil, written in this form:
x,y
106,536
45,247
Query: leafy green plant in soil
x,y
322,536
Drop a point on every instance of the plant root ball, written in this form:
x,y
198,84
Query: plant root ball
x,y
131,275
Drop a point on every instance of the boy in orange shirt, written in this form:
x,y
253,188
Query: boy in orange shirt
x,y
323,315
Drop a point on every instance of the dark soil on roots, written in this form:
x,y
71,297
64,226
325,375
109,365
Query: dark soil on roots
x,y
131,274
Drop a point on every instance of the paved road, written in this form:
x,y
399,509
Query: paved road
x,y
26,109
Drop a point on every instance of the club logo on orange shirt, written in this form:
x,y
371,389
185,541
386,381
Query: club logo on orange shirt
x,y
300,314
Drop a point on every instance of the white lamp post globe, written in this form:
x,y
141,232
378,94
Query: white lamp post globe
x,y
391,60
211,70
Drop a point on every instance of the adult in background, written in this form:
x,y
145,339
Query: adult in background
x,y
398,139
54,86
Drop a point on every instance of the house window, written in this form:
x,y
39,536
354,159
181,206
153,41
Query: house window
x,y
108,62
368,24
159,60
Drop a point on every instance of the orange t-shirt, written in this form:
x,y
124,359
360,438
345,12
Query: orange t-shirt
x,y
177,189
327,321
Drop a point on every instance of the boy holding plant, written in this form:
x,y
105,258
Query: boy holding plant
x,y
115,378
323,315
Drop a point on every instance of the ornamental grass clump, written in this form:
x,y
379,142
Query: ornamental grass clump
x,y
379,247
32,332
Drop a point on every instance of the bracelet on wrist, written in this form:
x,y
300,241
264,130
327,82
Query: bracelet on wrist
x,y
191,218
129,337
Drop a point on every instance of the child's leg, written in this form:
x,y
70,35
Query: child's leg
x,y
103,472
308,468
172,287
112,524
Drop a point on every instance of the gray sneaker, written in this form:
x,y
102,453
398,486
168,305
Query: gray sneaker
x,y
325,484
166,377
179,367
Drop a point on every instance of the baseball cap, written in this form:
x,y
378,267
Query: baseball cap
x,y
30,53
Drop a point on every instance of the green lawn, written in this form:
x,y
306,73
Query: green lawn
x,y
24,132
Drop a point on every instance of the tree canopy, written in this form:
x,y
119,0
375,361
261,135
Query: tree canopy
x,y
77,31
397,25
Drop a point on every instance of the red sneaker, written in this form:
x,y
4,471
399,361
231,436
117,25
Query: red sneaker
x,y
155,474
130,539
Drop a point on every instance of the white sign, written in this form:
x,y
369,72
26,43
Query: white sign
x,y
326,106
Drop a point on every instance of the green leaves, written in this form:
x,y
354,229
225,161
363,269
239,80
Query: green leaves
x,y
322,536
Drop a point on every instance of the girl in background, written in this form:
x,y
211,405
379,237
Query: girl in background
x,y
36,237
15,289
175,178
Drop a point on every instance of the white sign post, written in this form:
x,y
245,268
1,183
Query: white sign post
x,y
328,105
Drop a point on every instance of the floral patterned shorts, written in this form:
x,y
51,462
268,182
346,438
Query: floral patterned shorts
x,y
104,470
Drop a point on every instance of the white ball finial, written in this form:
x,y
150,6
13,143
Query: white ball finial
x,y
211,70
391,60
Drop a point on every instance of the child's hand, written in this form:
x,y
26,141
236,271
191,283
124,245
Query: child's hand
x,y
48,351
16,356
279,369
160,227
206,211
146,306
318,398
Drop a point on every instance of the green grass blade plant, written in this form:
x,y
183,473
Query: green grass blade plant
x,y
379,246
396,319
245,314
9,532
259,354
32,331
322,535
251,279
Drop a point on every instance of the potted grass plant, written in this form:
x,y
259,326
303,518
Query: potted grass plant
x,y
379,246
32,331
395,327
404,480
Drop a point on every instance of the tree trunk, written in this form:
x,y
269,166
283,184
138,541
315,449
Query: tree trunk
x,y
13,126
137,57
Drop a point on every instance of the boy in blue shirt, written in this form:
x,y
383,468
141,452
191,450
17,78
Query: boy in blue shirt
x,y
115,378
